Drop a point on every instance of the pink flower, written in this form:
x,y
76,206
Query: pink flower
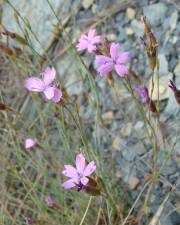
x,y
143,92
115,61
46,85
49,201
30,143
79,175
88,41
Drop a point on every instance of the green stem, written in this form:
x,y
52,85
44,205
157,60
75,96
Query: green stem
x,y
87,208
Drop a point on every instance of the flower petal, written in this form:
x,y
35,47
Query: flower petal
x,y
91,48
29,143
49,75
91,33
57,95
96,39
121,70
114,50
105,68
90,168
68,184
84,180
82,45
80,163
69,171
101,59
123,58
34,84
49,92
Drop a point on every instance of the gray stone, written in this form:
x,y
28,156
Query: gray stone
x,y
122,34
40,17
137,27
163,64
138,148
177,70
155,13
173,20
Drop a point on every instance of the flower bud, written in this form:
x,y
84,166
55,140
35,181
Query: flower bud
x,y
150,45
110,80
175,90
92,187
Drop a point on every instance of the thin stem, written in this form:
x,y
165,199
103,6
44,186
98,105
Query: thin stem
x,y
87,208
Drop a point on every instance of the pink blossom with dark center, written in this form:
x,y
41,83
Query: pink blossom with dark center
x,y
79,175
116,61
46,85
88,41
143,92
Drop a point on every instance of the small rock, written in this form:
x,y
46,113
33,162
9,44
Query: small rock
x,y
111,37
137,27
139,149
122,34
173,20
177,70
94,8
134,182
108,117
116,143
129,31
126,130
87,3
139,125
130,13
163,64
155,13
164,90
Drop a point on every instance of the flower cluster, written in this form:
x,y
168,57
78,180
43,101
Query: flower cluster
x,y
108,56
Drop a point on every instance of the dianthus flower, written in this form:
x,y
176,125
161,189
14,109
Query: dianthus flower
x,y
46,85
30,143
79,175
88,41
115,61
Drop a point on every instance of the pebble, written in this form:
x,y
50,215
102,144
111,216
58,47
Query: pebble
x,y
134,183
129,31
122,34
87,3
177,70
164,90
116,143
108,117
126,129
111,37
130,12
137,27
173,20
94,8
163,64
155,13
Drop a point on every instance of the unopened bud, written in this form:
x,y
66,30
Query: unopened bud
x,y
110,80
175,90
92,187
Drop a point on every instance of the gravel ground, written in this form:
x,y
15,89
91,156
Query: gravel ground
x,y
124,138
